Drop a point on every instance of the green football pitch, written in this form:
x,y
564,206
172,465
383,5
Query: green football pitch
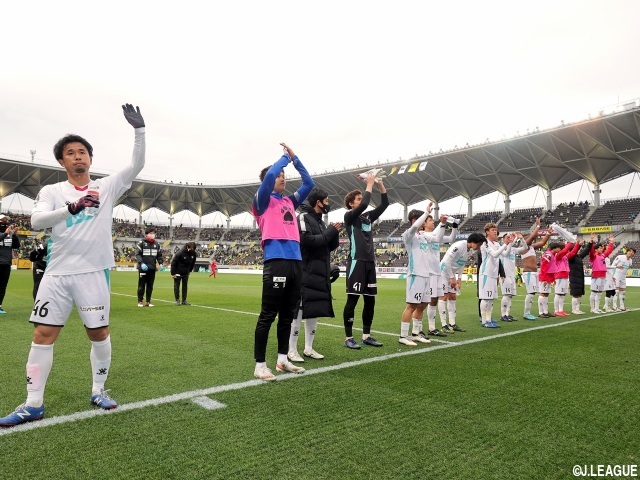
x,y
527,401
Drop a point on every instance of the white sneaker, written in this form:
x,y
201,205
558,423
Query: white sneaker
x,y
407,341
140,304
596,310
313,354
607,310
294,356
264,373
288,367
616,309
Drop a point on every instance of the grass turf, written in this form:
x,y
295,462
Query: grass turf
x,y
522,406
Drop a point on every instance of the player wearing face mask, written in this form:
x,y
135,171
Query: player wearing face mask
x,y
148,252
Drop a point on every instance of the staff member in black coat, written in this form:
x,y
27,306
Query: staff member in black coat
x,y
9,241
181,265
38,257
317,241
148,252
576,277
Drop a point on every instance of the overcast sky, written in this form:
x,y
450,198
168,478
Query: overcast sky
x,y
220,84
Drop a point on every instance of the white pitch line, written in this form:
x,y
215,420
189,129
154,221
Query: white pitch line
x,y
253,383
208,403
192,305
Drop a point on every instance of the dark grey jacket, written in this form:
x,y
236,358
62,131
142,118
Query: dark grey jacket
x,y
7,244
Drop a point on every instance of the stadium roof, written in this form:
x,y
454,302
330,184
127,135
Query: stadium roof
x,y
596,150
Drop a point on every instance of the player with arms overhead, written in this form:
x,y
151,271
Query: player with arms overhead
x,y
361,268
80,256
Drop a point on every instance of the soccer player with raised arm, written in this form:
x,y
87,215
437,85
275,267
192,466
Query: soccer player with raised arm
x,y
361,265
418,291
491,251
530,267
508,285
79,212
453,262
622,263
282,272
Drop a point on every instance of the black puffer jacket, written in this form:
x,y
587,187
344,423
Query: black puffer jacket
x,y
576,270
316,243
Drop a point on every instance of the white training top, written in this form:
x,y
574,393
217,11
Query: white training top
x,y
423,247
621,261
509,261
455,259
491,252
83,243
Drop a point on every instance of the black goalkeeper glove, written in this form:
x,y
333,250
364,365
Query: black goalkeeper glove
x,y
83,202
133,115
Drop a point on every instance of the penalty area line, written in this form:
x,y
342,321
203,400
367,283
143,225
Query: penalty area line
x,y
193,394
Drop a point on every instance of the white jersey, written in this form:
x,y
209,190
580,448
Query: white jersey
x,y
509,261
625,263
609,284
455,259
83,243
423,248
491,252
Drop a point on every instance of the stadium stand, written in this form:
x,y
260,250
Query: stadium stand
x,y
615,212
567,214
479,220
520,220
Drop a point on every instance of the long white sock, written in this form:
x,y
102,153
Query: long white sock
x,y
575,304
486,309
310,325
541,306
592,300
451,309
596,300
528,302
295,332
621,296
404,329
607,303
556,302
506,304
38,368
431,316
442,311
417,326
614,299
100,362
561,303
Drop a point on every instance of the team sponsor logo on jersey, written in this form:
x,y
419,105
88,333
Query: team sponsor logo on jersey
x,y
366,227
95,308
287,215
372,285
